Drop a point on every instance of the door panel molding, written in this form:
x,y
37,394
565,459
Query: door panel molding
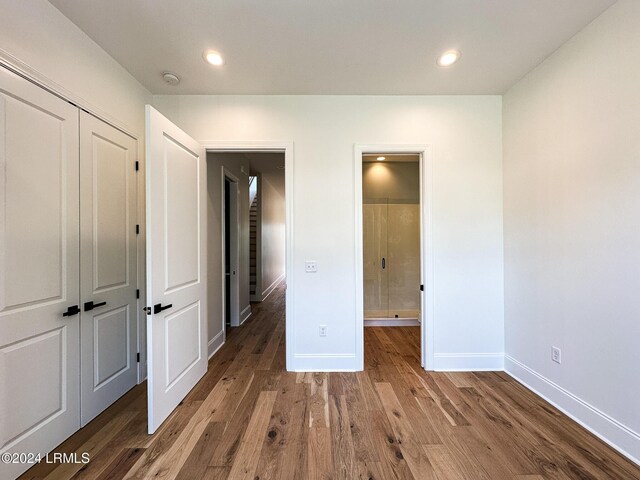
x,y
39,207
176,265
108,263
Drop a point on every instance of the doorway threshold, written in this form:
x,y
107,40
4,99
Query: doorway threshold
x,y
391,322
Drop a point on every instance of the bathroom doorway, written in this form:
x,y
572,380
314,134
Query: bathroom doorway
x,y
394,267
391,239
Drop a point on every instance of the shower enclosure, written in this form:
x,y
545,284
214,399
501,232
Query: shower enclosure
x,y
391,241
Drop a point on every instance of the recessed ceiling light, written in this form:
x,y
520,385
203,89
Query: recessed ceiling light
x,y
214,58
170,78
381,159
448,58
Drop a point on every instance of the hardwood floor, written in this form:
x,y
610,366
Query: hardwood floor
x,y
250,419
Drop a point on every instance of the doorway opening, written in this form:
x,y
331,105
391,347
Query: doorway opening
x,y
247,221
391,239
393,283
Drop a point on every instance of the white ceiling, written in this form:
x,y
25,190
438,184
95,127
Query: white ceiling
x,y
331,46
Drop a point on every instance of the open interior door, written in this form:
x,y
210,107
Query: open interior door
x,y
176,265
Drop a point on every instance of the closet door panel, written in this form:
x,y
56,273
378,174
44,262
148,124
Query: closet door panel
x,y
108,264
39,270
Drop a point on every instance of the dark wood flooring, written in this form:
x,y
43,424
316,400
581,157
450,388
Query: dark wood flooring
x,y
248,418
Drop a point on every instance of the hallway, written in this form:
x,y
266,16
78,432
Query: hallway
x,y
249,418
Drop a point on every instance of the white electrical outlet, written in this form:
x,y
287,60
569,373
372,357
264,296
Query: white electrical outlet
x,y
556,354
311,266
323,330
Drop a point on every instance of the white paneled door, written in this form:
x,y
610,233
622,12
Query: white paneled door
x,y
108,276
39,270
176,265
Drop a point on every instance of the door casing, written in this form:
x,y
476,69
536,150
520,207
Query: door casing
x,y
426,246
270,147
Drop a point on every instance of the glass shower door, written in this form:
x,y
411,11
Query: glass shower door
x,y
376,272
391,260
403,260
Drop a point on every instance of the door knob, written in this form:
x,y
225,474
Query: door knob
x,y
88,306
157,308
71,311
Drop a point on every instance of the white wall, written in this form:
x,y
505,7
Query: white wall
x,y
272,232
572,226
466,135
37,34
399,182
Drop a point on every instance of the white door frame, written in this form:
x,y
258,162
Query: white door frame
x,y
234,281
287,149
426,247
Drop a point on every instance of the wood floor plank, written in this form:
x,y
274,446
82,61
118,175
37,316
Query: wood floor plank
x,y
250,418
293,464
93,445
320,460
171,461
288,409
196,464
404,433
319,401
227,448
391,460
120,464
246,460
342,450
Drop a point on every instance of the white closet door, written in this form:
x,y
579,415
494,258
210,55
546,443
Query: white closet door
x,y
176,265
108,278
39,269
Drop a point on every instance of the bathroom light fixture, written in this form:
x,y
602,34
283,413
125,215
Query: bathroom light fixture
x,y
381,159
214,58
448,58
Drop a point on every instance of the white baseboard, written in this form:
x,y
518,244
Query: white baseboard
x,y
468,362
271,287
215,343
619,436
391,322
245,314
340,362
